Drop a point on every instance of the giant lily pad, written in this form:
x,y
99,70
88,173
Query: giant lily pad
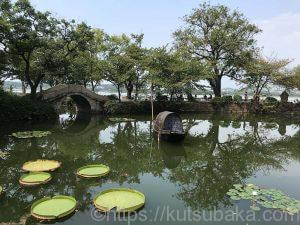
x,y
53,208
93,171
119,120
41,165
31,134
35,178
123,199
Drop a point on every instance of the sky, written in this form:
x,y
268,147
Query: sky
x,y
158,19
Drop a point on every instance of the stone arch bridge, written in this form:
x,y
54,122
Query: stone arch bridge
x,y
86,100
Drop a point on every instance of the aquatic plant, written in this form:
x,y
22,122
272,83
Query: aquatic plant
x,y
123,199
31,134
122,120
4,155
35,178
41,165
53,208
267,198
93,171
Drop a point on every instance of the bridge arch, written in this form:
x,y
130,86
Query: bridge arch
x,y
85,100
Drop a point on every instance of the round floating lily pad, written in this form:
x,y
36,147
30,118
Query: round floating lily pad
x,y
41,165
53,208
35,178
31,134
125,200
122,120
93,171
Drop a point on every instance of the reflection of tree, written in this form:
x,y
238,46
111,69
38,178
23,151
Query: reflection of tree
x,y
212,167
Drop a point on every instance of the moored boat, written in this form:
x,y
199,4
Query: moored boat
x,y
168,126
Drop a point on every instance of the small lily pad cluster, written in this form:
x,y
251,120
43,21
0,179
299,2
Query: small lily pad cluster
x,y
31,134
268,198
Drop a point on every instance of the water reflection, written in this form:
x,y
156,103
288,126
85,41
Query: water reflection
x,y
217,153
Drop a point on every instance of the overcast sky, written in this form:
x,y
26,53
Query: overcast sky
x,y
158,19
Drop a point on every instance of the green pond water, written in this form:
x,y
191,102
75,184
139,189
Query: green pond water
x,y
183,183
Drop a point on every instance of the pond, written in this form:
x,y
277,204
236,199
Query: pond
x,y
183,183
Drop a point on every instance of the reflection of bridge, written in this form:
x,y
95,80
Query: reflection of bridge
x,y
86,100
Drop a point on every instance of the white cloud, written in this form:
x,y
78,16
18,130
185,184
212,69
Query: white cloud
x,y
281,36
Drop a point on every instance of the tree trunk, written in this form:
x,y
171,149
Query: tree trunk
x,y
23,88
216,86
41,87
31,84
93,86
119,93
136,92
33,92
129,88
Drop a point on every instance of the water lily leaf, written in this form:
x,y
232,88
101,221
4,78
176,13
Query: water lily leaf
x,y
125,200
254,208
231,193
98,170
4,155
53,208
41,165
235,198
35,178
31,134
119,120
238,186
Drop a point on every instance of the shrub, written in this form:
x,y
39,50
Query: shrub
x,y
221,101
16,108
115,107
160,97
237,99
112,97
271,100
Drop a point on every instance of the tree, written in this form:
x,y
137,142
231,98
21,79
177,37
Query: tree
x,y
219,38
119,67
25,31
169,70
291,80
261,72
137,57
72,44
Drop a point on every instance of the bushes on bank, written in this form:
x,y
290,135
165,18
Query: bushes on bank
x,y
144,107
221,101
16,108
237,99
271,100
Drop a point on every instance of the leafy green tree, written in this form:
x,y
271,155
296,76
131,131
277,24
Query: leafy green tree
x,y
25,31
118,65
292,80
137,57
261,72
170,71
72,44
221,39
